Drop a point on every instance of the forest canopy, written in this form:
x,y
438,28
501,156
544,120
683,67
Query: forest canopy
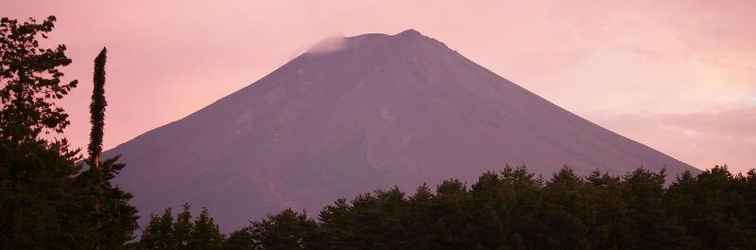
x,y
512,209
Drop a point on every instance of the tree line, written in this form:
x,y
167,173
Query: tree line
x,y
53,197
510,209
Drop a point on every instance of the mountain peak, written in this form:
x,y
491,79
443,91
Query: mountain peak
x,y
371,41
362,113
410,33
406,34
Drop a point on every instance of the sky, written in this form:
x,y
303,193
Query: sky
x,y
677,75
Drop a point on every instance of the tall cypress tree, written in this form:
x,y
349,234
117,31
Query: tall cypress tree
x,y
113,219
97,109
97,118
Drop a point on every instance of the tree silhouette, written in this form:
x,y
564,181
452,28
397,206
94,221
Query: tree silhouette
x,y
46,200
38,203
31,81
512,209
97,109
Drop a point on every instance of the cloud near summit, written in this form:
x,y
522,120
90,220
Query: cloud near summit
x,y
328,45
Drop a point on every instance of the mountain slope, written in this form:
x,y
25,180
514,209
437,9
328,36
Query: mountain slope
x,y
379,110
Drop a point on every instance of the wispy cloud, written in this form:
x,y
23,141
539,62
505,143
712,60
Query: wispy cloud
x,y
328,45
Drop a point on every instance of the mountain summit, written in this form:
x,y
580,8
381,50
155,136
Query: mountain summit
x,y
369,112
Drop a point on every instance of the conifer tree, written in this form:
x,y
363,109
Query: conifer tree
x,y
241,239
97,109
564,210
205,234
113,218
159,233
514,210
288,230
184,228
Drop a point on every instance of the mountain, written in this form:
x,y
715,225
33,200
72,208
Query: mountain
x,y
362,113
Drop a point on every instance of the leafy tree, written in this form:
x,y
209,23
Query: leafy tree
x,y
381,218
712,209
183,229
607,211
490,213
241,239
37,207
46,200
418,216
31,81
108,220
288,230
205,235
160,233
451,229
746,186
514,210
183,232
646,224
338,225
513,198
34,183
565,211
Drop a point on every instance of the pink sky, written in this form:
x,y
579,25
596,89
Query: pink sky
x,y
679,76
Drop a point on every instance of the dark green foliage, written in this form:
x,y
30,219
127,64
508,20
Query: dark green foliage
x,y
46,200
566,211
606,210
183,233
159,233
31,81
714,209
111,220
108,218
97,107
288,230
205,233
240,240
37,200
36,196
183,229
746,186
514,210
